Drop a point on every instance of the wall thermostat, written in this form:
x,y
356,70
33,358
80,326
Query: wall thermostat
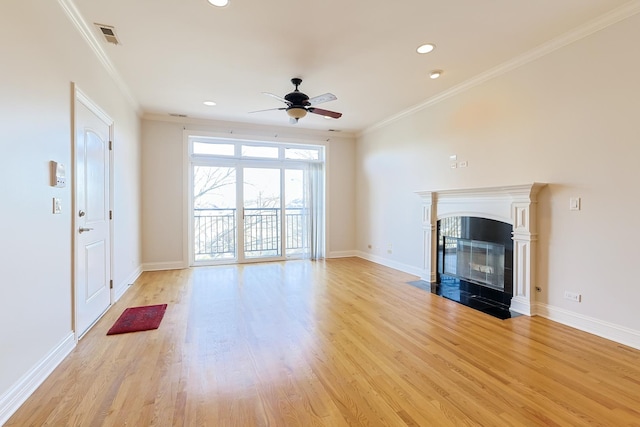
x,y
58,178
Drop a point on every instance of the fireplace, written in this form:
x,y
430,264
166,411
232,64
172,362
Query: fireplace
x,y
483,241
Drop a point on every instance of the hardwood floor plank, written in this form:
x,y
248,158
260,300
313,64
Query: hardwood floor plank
x,y
340,342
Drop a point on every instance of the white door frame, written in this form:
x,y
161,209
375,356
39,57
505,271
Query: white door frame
x,y
80,97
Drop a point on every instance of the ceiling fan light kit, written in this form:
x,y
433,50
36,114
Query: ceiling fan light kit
x,y
296,113
299,104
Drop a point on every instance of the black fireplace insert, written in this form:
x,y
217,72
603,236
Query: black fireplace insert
x,y
475,263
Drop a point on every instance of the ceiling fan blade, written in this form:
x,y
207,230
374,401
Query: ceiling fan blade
x,y
325,113
322,98
279,98
268,109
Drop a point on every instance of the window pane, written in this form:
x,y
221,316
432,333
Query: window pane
x,y
214,213
213,149
300,154
296,214
254,151
262,213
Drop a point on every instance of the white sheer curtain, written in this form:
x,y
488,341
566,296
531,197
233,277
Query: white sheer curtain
x,y
315,205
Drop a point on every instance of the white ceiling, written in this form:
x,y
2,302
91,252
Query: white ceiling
x,y
175,54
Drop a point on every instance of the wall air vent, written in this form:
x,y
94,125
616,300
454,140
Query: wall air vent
x,y
108,32
177,115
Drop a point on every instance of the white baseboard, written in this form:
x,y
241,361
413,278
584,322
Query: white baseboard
x,y
342,254
13,398
157,266
610,331
124,286
391,264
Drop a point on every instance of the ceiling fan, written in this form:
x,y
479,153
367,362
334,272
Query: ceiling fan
x,y
299,104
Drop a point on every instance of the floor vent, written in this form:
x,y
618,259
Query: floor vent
x,y
108,32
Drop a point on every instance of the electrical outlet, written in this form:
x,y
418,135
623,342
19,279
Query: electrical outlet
x,y
572,296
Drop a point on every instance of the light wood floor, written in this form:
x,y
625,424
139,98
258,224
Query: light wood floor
x,y
334,343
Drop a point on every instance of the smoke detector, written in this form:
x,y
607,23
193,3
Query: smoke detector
x,y
108,32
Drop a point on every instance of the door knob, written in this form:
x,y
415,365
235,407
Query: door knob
x,y
82,229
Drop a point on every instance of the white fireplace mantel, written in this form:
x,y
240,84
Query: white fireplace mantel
x,y
514,204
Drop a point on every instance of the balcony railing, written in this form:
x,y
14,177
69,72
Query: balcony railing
x,y
215,232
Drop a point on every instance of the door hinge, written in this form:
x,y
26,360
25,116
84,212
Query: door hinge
x,y
110,145
110,214
111,284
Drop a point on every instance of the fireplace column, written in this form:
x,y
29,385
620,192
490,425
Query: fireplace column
x,y
525,237
429,225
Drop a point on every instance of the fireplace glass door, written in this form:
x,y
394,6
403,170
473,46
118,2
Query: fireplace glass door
x,y
476,261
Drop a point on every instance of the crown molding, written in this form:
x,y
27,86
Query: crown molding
x,y
603,21
248,128
89,36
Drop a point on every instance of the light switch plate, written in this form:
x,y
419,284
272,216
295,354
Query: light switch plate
x,y
57,205
574,204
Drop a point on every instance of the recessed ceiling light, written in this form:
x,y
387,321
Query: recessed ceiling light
x,y
435,74
328,118
426,48
209,103
219,3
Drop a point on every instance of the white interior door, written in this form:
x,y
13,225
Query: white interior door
x,y
91,225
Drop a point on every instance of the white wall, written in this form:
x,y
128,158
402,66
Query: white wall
x,y
162,195
163,186
341,195
569,119
41,54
